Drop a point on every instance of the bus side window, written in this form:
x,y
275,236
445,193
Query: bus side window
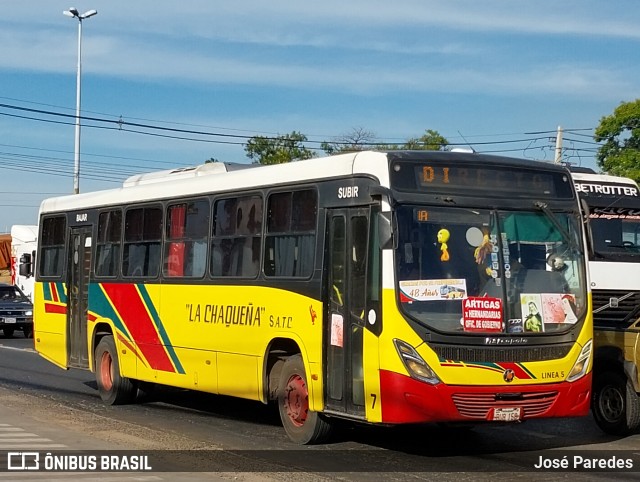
x,y
52,246
359,237
337,245
187,227
108,243
291,233
236,237
143,235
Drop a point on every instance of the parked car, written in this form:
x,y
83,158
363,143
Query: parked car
x,y
16,311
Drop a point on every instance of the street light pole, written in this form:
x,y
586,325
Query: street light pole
x,y
73,13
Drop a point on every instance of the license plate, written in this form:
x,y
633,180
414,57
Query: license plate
x,y
510,414
9,320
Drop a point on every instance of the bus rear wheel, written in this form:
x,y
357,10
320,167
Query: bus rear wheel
x,y
302,425
615,404
114,389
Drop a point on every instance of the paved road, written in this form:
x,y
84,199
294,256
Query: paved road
x,y
44,408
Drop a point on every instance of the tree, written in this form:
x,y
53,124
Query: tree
x,y
358,139
430,141
620,132
279,149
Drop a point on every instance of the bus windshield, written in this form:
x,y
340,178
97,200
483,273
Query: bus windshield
x,y
490,271
615,232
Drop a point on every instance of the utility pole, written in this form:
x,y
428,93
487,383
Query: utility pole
x,y
73,13
559,145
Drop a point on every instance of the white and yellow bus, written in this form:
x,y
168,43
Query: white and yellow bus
x,y
391,288
613,207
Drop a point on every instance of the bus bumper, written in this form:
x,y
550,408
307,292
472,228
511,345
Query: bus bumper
x,y
405,400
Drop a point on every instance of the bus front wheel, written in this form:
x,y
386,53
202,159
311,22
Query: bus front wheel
x,y
302,425
615,405
114,389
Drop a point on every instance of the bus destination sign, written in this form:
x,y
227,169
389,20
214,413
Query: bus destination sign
x,y
470,179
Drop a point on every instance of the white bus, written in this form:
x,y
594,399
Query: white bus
x,y
613,206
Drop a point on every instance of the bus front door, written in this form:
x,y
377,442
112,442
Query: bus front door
x,y
346,285
79,267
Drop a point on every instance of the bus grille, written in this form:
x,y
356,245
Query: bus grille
x,y
612,308
479,405
492,354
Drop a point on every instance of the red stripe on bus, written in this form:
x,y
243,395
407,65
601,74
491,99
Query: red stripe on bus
x,y
135,317
54,291
52,308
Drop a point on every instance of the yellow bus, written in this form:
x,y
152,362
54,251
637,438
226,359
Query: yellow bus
x,y
380,287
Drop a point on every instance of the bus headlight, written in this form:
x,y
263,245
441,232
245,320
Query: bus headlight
x,y
582,363
414,363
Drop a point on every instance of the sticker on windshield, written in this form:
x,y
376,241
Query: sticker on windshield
x,y
531,313
432,290
514,325
482,314
337,330
559,308
548,308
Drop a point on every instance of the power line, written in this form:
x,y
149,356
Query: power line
x,y
120,123
253,133
133,127
85,154
576,131
108,173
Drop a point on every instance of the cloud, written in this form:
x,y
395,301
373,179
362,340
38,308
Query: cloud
x,y
145,60
362,46
552,77
255,19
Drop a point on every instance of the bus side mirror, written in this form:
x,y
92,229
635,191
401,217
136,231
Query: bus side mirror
x,y
385,231
584,208
26,268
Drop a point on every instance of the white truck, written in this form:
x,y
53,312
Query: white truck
x,y
23,252
613,227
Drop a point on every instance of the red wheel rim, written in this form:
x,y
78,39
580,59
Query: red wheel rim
x,y
106,364
296,400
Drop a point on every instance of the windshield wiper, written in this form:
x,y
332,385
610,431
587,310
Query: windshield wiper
x,y
554,220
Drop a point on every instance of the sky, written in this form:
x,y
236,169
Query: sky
x,y
171,84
